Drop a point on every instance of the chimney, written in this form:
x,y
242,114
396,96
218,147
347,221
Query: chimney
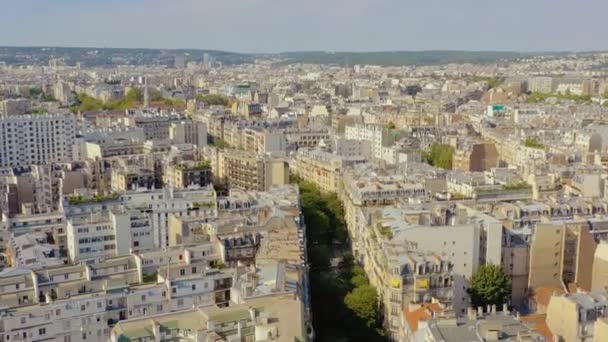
x,y
489,308
471,314
210,326
252,314
493,309
156,330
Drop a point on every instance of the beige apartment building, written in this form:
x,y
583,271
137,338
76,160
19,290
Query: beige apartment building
x,y
477,157
599,280
561,253
575,317
186,173
323,168
250,171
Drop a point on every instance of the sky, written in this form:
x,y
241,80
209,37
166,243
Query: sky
x,y
305,25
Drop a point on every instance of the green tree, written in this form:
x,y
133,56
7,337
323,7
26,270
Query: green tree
x,y
363,301
489,285
359,277
212,100
390,125
533,143
134,95
156,95
440,155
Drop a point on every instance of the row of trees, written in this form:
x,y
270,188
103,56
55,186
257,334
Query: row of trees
x,y
344,304
538,97
132,98
213,100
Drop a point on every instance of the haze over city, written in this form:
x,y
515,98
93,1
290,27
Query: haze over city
x,y
332,25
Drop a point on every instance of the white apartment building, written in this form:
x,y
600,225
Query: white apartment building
x,y
36,139
98,236
157,205
377,135
352,147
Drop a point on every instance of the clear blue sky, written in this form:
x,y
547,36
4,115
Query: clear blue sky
x,y
288,25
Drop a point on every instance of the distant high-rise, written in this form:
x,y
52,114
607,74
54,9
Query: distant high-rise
x,y
180,61
207,60
146,93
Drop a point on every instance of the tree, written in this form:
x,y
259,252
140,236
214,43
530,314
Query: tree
x,y
533,143
213,100
156,95
440,155
134,95
359,277
363,301
489,285
390,125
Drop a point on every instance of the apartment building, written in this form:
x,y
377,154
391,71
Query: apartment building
x,y
185,173
561,253
132,177
10,107
36,139
276,317
247,171
572,317
377,135
477,157
157,204
323,168
99,236
599,278
188,132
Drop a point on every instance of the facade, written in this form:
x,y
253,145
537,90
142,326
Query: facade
x,y
187,173
322,168
36,139
479,157
10,107
377,135
572,317
561,253
247,171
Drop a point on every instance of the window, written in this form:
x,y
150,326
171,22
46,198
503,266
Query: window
x,y
193,270
174,290
193,287
82,307
182,272
41,331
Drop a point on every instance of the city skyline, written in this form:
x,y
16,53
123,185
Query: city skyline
x,y
337,25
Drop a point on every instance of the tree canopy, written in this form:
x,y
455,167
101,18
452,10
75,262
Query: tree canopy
x,y
344,304
533,143
363,301
439,155
213,100
490,285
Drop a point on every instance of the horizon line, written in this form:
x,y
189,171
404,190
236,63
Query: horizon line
x,y
309,51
